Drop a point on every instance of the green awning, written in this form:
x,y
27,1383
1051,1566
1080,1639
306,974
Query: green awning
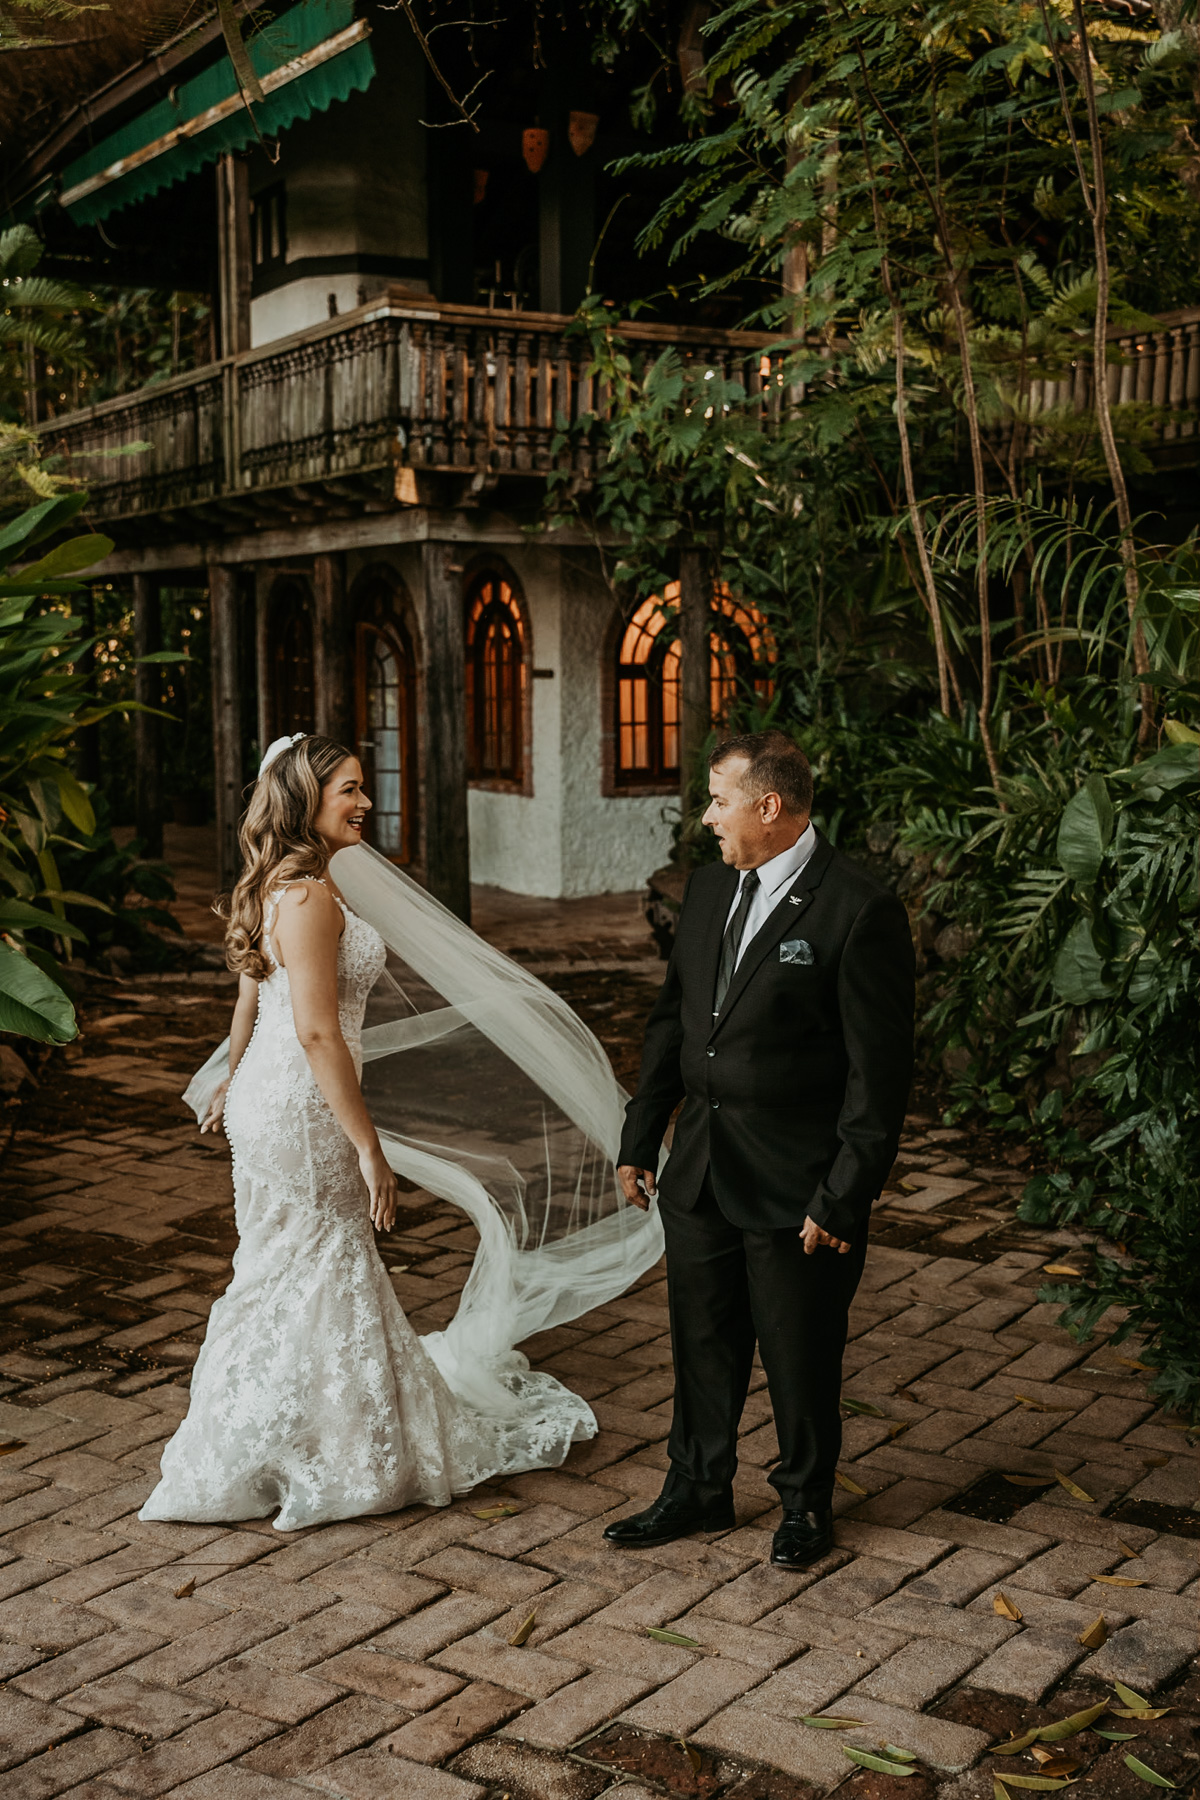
x,y
314,54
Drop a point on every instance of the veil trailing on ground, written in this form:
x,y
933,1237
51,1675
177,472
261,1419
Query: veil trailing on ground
x,y
489,1092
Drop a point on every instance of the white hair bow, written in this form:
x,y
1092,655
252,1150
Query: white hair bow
x,y
277,748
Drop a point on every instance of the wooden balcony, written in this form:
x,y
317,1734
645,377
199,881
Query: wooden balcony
x,y
402,400
408,401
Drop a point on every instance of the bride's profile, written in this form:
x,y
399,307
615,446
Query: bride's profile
x,y
313,1397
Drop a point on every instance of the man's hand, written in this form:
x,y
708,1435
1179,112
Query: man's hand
x,y
812,1237
629,1178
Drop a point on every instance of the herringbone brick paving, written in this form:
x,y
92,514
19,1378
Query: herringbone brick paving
x,y
373,1658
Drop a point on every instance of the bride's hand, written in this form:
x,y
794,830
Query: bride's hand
x,y
212,1120
383,1187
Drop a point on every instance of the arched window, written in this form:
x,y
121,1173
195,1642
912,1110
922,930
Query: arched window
x,y
386,736
648,685
496,655
291,643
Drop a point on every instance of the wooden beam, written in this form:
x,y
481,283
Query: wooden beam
x,y
406,525
147,730
227,720
233,253
331,635
264,581
695,624
446,825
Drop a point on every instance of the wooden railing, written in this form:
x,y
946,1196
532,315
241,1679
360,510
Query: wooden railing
x,y
404,385
396,385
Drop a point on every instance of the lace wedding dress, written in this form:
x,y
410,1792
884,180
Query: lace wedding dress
x,y
312,1393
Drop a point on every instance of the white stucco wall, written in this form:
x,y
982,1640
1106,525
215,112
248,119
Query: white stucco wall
x,y
568,838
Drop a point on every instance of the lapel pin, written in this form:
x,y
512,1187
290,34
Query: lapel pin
x,y
796,899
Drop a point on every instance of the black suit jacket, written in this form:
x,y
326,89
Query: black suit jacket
x,y
794,1098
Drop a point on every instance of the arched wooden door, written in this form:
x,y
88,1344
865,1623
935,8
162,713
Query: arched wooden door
x,y
291,653
386,731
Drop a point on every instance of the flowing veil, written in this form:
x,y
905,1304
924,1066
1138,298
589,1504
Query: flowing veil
x,y
488,1091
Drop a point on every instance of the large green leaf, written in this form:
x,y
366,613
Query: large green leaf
x,y
1078,974
1173,767
67,559
75,803
31,1004
37,523
1085,831
16,915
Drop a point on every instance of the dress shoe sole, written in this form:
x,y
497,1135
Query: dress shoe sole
x,y
726,1522
803,1558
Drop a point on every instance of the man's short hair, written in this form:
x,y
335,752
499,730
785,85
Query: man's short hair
x,y
777,765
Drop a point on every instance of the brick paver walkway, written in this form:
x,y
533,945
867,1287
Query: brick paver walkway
x,y
377,1657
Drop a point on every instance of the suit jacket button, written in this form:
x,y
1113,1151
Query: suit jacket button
x,y
710,1051
715,1105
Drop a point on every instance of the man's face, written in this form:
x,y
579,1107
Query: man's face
x,y
744,835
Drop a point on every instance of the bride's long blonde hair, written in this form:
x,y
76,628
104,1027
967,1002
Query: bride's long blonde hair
x,y
278,842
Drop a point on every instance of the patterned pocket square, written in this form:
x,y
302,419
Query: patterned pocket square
x,y
797,950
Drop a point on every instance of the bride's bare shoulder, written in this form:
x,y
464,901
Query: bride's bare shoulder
x,y
308,898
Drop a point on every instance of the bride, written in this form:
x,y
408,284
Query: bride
x,y
313,1397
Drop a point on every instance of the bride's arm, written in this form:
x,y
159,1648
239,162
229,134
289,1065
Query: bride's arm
x,y
241,1030
306,934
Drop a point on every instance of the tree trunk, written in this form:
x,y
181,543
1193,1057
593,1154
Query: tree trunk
x,y
331,639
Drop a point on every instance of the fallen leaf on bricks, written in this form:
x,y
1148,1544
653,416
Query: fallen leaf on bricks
x,y
1117,1737
829,1722
1128,1695
1095,1636
1040,1405
1014,1746
1147,1774
693,1755
1140,1712
864,1407
1131,1364
1128,1548
672,1637
1073,1488
1117,1580
881,1764
1043,1783
189,1587
1061,1767
17,1444
1031,1480
1004,1606
1155,1462
900,1755
496,1512
1075,1722
522,1634
1060,1269
851,1487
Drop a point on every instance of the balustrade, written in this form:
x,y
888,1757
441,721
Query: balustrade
x,y
461,389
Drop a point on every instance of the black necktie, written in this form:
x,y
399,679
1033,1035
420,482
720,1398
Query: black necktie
x,y
731,943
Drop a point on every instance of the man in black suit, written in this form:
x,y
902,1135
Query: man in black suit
x,y
785,1026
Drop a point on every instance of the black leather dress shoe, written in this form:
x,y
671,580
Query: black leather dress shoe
x,y
670,1519
803,1538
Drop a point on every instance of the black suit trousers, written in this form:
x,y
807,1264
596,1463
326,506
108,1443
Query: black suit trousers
x,y
729,1288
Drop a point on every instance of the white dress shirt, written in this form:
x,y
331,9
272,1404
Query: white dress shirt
x,y
773,878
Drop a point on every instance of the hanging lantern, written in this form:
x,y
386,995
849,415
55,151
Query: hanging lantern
x,y
535,147
581,130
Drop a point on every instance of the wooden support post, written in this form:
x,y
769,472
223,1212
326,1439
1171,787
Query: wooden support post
x,y
147,689
695,626
331,644
227,719
233,253
447,841
264,581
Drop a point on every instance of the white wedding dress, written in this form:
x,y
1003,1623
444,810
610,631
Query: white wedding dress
x,y
312,1394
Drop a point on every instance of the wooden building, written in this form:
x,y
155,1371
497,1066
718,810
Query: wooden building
x,y
356,474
